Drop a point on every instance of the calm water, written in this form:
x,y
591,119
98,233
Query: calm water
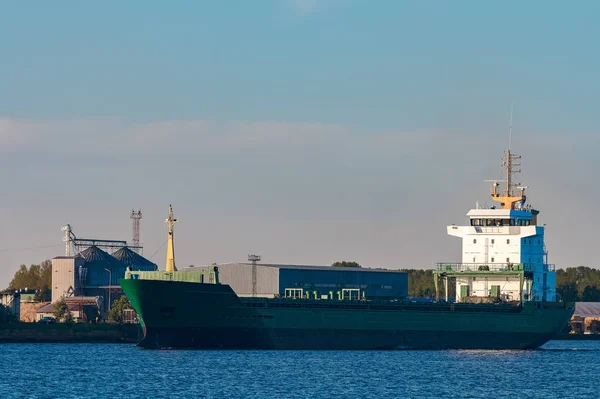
x,y
561,369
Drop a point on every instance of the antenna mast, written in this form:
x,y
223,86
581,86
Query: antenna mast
x,y
170,221
135,217
254,259
511,165
510,126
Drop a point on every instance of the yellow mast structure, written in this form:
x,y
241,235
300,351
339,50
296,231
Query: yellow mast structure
x,y
170,221
513,192
511,165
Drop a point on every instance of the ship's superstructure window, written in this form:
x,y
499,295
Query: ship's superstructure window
x,y
492,240
474,241
508,240
498,222
492,260
523,222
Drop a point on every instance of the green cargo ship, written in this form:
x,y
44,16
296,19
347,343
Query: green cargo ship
x,y
505,298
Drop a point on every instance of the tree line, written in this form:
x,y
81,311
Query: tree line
x,y
578,284
34,277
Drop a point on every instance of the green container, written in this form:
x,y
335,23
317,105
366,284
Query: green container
x,y
464,290
495,291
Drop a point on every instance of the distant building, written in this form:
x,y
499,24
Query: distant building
x,y
95,273
587,309
314,281
78,306
12,299
586,319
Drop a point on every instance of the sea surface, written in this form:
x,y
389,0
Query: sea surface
x,y
560,369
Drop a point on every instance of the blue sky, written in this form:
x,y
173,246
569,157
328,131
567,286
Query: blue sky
x,y
306,130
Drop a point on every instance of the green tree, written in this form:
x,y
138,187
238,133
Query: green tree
x,y
43,295
21,278
346,264
36,277
61,311
572,282
68,319
568,292
117,311
6,315
590,294
44,292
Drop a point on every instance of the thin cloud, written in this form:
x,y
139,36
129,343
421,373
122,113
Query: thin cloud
x,y
194,137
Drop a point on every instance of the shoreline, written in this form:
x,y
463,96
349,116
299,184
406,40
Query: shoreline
x,y
70,333
126,333
576,337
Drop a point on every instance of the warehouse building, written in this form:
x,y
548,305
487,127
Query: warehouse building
x,y
318,282
586,318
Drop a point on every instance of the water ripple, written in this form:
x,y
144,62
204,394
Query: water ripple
x,y
72,371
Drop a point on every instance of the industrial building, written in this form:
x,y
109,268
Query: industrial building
x,y
94,272
271,281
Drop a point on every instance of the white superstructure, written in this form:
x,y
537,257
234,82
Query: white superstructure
x,y
503,250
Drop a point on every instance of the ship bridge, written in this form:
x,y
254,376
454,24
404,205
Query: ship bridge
x,y
504,256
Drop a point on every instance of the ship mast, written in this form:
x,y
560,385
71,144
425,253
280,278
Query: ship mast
x,y
170,221
511,165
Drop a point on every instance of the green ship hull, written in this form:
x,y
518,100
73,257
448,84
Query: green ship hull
x,y
176,314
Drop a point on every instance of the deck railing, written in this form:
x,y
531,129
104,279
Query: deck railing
x,y
210,276
494,267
